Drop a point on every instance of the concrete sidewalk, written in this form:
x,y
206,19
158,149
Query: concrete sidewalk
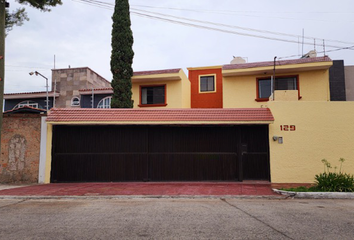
x,y
144,189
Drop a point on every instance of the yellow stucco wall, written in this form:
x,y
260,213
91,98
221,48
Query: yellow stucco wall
x,y
177,89
48,163
323,130
186,91
241,91
173,92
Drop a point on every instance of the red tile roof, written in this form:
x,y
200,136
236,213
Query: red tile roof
x,y
175,70
96,89
50,92
278,63
25,109
160,115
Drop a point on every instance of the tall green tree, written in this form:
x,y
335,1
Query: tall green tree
x,y
7,21
122,56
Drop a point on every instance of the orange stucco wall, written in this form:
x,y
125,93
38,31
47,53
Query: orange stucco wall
x,y
206,99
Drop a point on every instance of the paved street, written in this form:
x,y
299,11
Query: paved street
x,y
179,218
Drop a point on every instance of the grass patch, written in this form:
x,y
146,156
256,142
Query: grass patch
x,y
300,189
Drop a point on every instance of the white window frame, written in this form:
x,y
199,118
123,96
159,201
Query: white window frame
x,y
29,103
200,81
78,102
105,102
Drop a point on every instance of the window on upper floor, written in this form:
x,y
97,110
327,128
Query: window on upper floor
x,y
105,103
153,95
281,83
207,83
75,102
27,103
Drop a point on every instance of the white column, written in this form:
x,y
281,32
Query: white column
x,y
43,150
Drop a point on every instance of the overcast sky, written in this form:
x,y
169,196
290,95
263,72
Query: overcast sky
x,y
79,35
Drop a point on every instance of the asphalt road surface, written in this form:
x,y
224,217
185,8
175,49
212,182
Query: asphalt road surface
x,y
143,218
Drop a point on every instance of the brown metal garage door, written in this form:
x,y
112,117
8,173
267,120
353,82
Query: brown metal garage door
x,y
159,153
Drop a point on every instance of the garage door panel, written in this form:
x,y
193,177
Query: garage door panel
x,y
99,139
159,153
193,139
99,167
255,166
193,166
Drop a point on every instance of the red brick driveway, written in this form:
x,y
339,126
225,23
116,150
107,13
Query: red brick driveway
x,y
145,189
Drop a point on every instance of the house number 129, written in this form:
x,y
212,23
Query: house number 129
x,y
287,128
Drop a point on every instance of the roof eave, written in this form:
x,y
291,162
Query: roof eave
x,y
30,95
158,77
160,122
278,68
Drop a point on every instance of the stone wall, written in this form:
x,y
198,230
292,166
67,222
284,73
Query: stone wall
x,y
20,148
69,81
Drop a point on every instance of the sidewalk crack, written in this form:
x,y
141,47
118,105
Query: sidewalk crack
x,y
259,220
14,203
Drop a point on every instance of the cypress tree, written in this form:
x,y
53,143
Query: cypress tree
x,y
122,56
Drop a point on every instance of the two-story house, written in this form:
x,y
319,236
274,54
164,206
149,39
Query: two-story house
x,y
271,121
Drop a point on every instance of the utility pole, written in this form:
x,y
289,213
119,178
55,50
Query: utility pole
x,y
3,5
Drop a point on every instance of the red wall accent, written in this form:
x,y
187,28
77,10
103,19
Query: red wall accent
x,y
206,100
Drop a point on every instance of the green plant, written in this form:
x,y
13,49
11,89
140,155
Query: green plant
x,y
334,181
122,56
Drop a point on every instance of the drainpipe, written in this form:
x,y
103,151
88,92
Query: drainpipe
x,y
272,82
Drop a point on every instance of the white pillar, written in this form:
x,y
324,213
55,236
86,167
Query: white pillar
x,y
43,150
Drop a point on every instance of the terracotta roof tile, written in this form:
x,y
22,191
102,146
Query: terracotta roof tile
x,y
96,89
26,109
278,63
7,94
160,115
175,70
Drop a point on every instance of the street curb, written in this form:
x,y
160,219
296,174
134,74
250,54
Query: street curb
x,y
316,195
146,197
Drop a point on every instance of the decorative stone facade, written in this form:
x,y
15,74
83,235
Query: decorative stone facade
x,y
20,148
69,81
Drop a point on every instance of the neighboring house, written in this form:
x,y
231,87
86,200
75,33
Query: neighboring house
x,y
349,82
162,88
66,84
225,123
31,99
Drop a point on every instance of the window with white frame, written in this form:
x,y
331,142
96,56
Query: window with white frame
x,y
207,84
105,103
27,103
75,102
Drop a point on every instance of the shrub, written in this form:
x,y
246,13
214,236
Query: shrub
x,y
334,181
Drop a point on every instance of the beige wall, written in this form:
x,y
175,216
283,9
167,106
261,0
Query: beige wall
x,y
173,93
349,82
178,91
186,91
323,130
241,91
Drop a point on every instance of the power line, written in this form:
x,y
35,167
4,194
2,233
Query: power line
x,y
243,28
138,13
333,50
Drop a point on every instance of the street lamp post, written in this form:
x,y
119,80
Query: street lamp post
x,y
46,79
